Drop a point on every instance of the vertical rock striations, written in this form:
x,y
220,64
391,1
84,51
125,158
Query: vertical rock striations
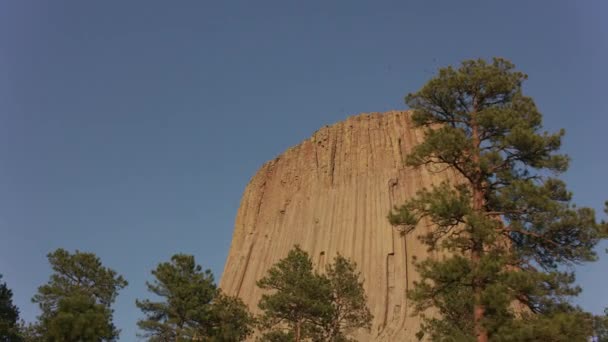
x,y
331,194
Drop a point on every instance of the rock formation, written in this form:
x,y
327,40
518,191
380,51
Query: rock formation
x,y
330,194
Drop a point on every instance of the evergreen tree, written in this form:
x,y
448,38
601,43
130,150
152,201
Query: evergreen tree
x,y
76,302
600,327
9,315
193,307
230,319
298,301
348,301
305,305
506,222
31,333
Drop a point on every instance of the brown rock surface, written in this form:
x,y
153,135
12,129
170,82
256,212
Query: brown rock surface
x,y
330,194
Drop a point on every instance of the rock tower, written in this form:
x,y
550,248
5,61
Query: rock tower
x,y
329,194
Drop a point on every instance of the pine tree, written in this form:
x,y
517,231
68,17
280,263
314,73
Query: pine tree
x,y
348,301
193,308
299,299
230,319
9,315
305,305
600,327
76,302
505,222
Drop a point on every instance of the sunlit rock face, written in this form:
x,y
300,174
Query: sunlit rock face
x,y
331,194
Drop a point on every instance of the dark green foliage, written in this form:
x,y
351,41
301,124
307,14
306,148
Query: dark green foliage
x,y
80,318
231,320
31,333
187,291
305,305
563,325
277,335
348,301
76,302
507,223
299,298
9,315
192,306
600,326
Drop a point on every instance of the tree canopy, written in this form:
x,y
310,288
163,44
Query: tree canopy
x,y
505,221
305,305
76,301
9,315
193,308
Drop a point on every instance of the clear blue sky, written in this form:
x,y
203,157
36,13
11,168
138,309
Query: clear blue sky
x,y
130,128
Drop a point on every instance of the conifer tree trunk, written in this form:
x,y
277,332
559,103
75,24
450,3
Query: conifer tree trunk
x,y
477,250
478,308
